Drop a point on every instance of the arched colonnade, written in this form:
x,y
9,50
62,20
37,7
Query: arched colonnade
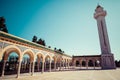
x,y
36,61
87,61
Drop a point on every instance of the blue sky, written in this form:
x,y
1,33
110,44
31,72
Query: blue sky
x,y
65,24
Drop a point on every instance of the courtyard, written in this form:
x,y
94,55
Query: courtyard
x,y
70,75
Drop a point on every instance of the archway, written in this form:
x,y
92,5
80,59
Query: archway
x,y
83,63
59,63
54,62
10,60
39,62
67,64
77,63
11,64
47,63
64,63
90,63
29,56
97,63
26,63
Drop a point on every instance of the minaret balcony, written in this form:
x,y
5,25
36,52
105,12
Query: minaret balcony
x,y
96,15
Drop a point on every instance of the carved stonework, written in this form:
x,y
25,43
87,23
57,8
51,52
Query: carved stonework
x,y
6,44
44,52
1,44
22,48
51,54
35,51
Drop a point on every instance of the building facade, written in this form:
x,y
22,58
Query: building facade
x,y
87,61
38,57
31,57
106,59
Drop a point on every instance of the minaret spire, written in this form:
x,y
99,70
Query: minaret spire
x,y
107,58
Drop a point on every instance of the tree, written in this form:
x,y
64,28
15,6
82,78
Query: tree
x,y
43,43
55,49
59,50
49,46
34,39
40,41
2,25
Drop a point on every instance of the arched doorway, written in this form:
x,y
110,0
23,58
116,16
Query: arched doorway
x,y
54,62
11,60
12,63
59,62
64,63
97,63
90,63
47,63
28,55
77,63
39,62
83,63
25,63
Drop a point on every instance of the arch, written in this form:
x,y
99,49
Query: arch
x,y
63,60
7,50
66,60
59,59
48,56
91,63
55,59
77,63
97,63
83,63
30,53
39,55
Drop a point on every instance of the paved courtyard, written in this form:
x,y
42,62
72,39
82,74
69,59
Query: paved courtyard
x,y
71,75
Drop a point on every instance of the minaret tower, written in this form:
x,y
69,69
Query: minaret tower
x,y
107,58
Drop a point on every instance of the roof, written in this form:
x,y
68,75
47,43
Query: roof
x,y
87,56
12,37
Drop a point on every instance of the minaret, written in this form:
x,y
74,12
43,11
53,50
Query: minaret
x,y
107,58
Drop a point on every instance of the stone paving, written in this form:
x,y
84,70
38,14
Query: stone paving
x,y
70,75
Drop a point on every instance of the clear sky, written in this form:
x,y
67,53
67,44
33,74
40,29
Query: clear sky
x,y
65,24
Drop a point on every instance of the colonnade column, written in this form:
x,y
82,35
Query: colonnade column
x,y
3,69
68,65
19,66
33,65
74,64
94,63
87,64
60,65
54,65
30,67
63,65
38,65
43,66
50,66
80,64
